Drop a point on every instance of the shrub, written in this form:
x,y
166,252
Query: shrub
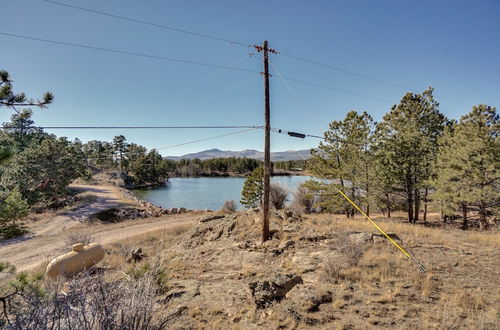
x,y
11,231
352,251
79,237
278,195
86,301
303,200
229,206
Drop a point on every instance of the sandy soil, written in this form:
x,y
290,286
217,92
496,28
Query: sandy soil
x,y
47,236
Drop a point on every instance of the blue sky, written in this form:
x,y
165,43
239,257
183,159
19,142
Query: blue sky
x,y
450,45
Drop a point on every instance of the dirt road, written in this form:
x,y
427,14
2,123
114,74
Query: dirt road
x,y
47,236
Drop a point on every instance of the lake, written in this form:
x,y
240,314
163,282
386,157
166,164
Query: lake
x,y
206,192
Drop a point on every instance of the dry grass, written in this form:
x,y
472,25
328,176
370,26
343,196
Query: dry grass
x,y
374,285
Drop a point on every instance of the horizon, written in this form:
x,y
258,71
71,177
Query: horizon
x,y
375,49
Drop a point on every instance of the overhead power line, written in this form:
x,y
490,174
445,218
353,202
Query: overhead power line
x,y
212,37
161,26
338,90
227,67
125,52
304,135
134,127
360,75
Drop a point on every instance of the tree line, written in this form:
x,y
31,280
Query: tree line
x,y
414,159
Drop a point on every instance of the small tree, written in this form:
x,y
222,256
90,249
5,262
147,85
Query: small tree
x,y
12,208
253,188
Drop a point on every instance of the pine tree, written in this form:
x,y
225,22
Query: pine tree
x,y
120,146
346,155
469,165
407,139
253,188
14,101
12,208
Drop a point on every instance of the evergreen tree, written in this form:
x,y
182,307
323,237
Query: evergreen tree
x,y
468,165
14,101
43,172
12,208
408,144
253,189
120,147
346,155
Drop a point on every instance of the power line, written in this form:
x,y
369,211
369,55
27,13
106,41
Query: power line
x,y
111,50
162,26
134,127
338,90
304,135
319,85
117,51
360,75
212,37
344,71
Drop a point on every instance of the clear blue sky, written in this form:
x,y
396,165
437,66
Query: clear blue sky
x,y
452,45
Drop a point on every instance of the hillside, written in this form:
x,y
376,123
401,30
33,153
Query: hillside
x,y
317,271
248,153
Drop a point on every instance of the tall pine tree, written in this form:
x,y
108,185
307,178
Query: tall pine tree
x,y
469,165
408,141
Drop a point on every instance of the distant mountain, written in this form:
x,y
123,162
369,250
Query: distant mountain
x,y
249,153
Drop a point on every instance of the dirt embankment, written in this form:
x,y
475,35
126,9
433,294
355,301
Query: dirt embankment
x,y
47,235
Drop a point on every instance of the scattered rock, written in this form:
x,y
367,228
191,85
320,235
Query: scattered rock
x,y
210,218
182,210
360,238
264,292
173,210
308,298
183,291
136,255
286,244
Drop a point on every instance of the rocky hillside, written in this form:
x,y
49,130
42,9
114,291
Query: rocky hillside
x,y
320,272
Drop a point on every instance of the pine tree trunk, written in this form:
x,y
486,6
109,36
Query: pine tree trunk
x,y
425,203
417,205
368,209
465,225
409,198
441,213
482,217
388,205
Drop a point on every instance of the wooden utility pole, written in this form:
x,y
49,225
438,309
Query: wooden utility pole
x,y
267,141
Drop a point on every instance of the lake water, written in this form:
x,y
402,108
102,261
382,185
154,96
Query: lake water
x,y
206,192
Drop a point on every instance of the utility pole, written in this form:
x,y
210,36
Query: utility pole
x,y
267,140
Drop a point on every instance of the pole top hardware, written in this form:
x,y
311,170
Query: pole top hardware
x,y
261,49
